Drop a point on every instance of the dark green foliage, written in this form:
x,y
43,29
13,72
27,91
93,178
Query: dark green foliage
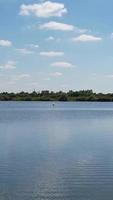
x,y
83,95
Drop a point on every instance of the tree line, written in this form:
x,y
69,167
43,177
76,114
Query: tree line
x,y
45,95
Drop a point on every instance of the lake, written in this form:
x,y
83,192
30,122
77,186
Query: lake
x,y
60,152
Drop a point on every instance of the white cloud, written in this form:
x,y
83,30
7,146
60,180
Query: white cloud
x,y
33,45
111,35
56,74
9,65
5,43
44,9
47,79
81,31
21,76
25,51
109,76
51,54
52,25
24,76
86,38
50,38
62,64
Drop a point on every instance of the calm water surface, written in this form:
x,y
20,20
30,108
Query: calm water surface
x,y
63,152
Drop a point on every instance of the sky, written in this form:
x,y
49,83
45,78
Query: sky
x,y
56,45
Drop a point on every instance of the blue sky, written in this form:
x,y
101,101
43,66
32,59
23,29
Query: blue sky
x,y
56,45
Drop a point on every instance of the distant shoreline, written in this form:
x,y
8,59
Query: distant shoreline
x,y
45,95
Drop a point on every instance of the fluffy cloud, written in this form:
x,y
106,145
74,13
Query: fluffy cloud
x,y
62,64
21,77
109,76
50,38
51,54
56,74
86,38
9,65
24,76
44,9
111,35
5,43
33,45
52,25
25,51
